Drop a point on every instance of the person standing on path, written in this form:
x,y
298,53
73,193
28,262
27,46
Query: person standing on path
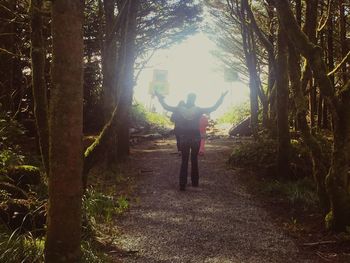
x,y
203,124
175,119
188,121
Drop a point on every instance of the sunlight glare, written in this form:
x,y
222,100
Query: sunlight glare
x,y
191,68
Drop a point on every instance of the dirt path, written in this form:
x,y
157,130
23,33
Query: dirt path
x,y
217,222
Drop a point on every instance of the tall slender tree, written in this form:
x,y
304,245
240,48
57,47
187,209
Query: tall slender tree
x,y
127,59
38,56
282,90
66,113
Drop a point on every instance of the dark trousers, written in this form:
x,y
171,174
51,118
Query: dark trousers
x,y
189,146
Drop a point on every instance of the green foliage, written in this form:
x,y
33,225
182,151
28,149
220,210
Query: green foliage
x,y
99,206
10,130
11,133
11,156
91,255
138,114
299,192
157,119
142,116
15,247
236,114
262,155
99,210
254,154
329,220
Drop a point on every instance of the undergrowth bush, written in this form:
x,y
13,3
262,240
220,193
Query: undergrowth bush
x,y
11,133
142,116
262,155
236,114
101,206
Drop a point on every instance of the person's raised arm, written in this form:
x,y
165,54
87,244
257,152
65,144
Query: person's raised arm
x,y
164,105
216,105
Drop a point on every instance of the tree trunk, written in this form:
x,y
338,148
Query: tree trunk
x,y
282,89
38,54
337,181
109,60
343,42
247,39
330,64
66,124
7,53
312,104
310,30
271,75
126,79
319,112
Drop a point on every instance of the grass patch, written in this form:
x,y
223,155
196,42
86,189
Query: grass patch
x,y
102,207
15,247
301,192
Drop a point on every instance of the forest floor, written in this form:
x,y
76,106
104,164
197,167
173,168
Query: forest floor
x,y
220,221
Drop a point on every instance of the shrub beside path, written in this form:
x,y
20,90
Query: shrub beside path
x,y
219,222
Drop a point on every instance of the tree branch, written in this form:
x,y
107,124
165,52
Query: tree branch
x,y
344,60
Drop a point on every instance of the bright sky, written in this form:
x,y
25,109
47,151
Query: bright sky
x,y
191,68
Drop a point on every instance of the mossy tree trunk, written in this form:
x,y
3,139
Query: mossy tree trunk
x,y
66,121
301,105
38,54
282,89
96,151
337,179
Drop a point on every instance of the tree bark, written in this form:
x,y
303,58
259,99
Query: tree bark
x,y
109,60
38,54
7,54
282,89
126,79
268,44
247,39
66,124
337,180
271,74
310,28
343,43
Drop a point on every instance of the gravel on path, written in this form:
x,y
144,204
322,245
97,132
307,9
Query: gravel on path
x,y
218,222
